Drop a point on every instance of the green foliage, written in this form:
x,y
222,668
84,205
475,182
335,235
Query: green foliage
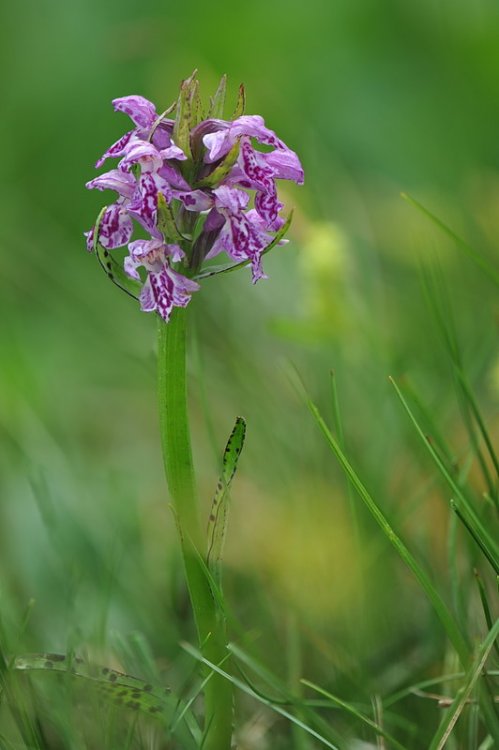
x,y
377,98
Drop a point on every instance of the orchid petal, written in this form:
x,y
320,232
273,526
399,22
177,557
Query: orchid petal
x,y
268,206
231,199
122,182
165,289
255,169
173,178
173,152
194,200
140,110
117,149
254,126
130,266
115,227
149,252
285,165
143,153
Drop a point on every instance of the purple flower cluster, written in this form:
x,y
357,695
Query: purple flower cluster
x,y
186,183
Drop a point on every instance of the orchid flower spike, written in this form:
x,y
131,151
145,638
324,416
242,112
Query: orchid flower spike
x,y
199,186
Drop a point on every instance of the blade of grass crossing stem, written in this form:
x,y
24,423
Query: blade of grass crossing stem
x,y
246,689
354,712
439,605
447,725
306,706
287,697
473,254
219,515
487,542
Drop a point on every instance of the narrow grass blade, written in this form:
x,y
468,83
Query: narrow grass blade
x,y
246,689
464,505
441,307
473,254
439,605
485,605
219,516
354,712
447,725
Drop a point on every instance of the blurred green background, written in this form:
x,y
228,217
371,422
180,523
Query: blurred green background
x,y
377,97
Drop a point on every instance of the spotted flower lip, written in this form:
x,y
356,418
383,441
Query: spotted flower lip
x,y
198,187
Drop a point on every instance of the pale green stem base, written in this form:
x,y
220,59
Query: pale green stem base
x,y
177,457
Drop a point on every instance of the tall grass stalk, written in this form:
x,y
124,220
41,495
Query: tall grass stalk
x,y
179,468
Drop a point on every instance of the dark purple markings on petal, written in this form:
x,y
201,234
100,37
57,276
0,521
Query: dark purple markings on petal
x,y
194,200
257,269
140,110
254,126
144,204
162,289
115,228
247,241
259,175
183,288
117,149
268,207
165,289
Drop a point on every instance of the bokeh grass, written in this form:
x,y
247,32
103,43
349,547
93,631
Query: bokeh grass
x,y
377,98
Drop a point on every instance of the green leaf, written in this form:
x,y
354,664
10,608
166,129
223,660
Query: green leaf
x,y
241,103
217,523
422,576
249,691
354,712
466,511
448,722
217,102
222,170
166,221
130,692
215,270
110,265
187,113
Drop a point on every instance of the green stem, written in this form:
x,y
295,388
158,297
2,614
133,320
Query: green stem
x,y
179,468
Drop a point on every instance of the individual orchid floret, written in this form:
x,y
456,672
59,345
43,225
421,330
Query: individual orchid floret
x,y
164,290
199,186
